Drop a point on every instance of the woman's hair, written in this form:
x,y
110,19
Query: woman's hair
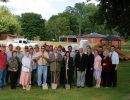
x,y
66,53
88,46
106,51
96,50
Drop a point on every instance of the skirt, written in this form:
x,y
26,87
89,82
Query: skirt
x,y
25,78
97,74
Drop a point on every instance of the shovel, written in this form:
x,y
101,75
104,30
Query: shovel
x,y
67,86
54,85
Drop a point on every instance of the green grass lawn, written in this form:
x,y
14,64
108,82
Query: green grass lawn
x,y
120,93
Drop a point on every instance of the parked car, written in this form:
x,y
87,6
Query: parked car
x,y
21,42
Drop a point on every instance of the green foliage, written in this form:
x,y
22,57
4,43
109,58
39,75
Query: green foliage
x,y
115,14
8,22
32,25
76,20
58,25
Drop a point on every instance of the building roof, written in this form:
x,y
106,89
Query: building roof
x,y
111,38
92,35
12,35
70,36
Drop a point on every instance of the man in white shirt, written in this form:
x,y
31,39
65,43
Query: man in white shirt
x,y
115,61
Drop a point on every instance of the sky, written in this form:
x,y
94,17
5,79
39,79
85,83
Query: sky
x,y
46,8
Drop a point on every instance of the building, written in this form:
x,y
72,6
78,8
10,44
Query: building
x,y
70,38
113,40
92,37
7,36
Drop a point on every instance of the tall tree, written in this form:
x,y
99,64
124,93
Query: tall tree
x,y
85,16
8,22
58,25
32,25
62,24
115,14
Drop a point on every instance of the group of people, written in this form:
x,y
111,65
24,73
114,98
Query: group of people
x,y
46,64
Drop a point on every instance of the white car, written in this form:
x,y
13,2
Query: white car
x,y
21,42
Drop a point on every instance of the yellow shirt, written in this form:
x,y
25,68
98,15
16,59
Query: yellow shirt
x,y
42,61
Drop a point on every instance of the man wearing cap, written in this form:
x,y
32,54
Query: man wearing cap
x,y
9,55
42,57
3,61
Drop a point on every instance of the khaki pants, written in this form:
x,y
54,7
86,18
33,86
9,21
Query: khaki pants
x,y
57,77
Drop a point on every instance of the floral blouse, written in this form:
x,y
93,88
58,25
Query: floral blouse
x,y
13,64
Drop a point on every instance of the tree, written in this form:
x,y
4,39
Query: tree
x,y
115,14
79,11
8,22
85,14
58,25
62,24
32,25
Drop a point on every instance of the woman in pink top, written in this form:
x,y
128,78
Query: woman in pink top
x,y
97,68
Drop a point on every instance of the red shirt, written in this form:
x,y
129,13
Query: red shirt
x,y
3,60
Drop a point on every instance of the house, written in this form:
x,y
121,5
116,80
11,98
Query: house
x,y
92,37
70,38
7,36
113,40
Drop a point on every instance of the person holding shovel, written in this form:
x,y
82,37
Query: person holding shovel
x,y
55,67
42,58
68,68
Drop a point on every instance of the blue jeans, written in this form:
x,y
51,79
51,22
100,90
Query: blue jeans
x,y
2,77
42,74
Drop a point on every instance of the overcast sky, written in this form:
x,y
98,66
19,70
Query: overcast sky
x,y
46,8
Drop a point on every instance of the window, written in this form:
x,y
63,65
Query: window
x,y
20,41
25,42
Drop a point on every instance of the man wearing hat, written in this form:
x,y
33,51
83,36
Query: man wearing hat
x,y
42,57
